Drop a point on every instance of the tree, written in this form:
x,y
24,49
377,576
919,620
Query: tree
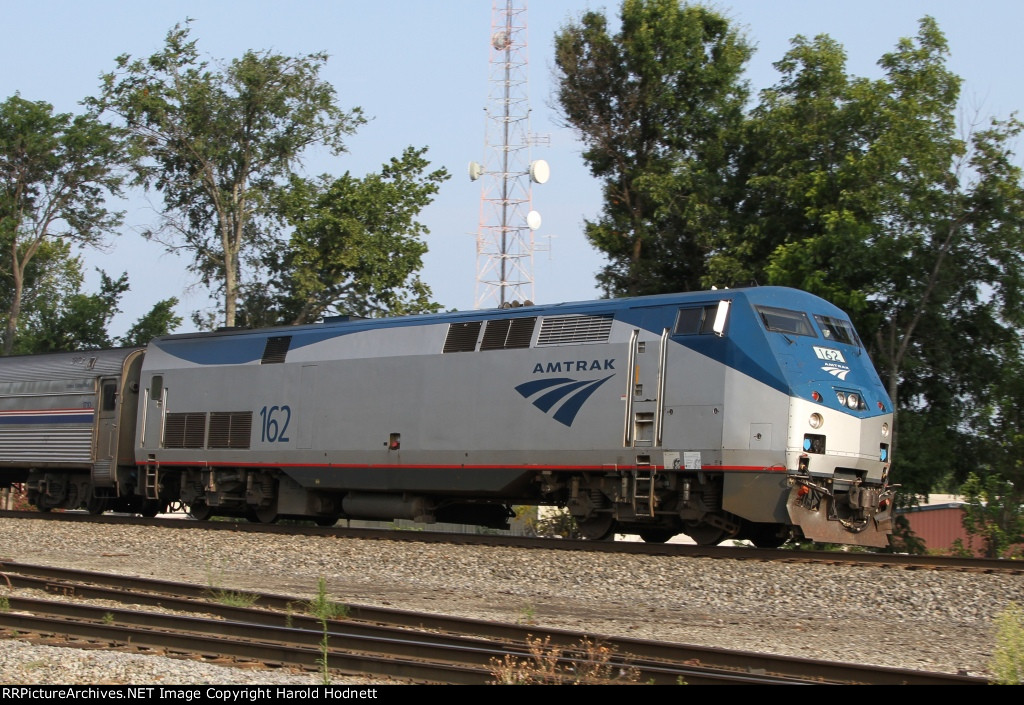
x,y
218,144
52,274
944,303
658,106
994,512
160,320
864,193
805,210
73,320
55,172
355,248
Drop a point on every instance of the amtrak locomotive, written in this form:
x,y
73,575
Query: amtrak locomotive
x,y
734,414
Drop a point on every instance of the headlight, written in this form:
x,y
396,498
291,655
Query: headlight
x,y
851,400
885,430
816,421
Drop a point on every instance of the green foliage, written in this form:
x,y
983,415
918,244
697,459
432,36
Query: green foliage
x,y
74,322
994,513
657,106
55,171
556,522
1008,658
219,142
1000,420
71,320
356,247
322,607
903,538
160,320
325,610
232,598
959,550
529,613
866,192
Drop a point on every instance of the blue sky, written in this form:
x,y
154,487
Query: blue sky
x,y
419,69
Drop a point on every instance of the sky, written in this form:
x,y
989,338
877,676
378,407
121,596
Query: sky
x,y
420,70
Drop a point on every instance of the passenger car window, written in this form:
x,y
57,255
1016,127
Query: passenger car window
x,y
109,396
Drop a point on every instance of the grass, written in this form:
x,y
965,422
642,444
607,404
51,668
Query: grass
x,y
1008,657
529,613
325,609
230,598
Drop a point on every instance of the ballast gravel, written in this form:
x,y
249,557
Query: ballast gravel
x,y
920,619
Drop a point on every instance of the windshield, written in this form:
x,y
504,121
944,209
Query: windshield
x,y
783,320
838,330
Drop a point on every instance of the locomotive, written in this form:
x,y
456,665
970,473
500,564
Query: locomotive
x,y
748,413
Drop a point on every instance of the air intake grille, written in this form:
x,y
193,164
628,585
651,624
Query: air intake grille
x,y
276,349
185,430
462,337
570,330
508,333
230,429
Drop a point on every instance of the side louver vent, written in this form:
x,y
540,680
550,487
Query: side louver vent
x,y
462,337
573,330
508,333
186,430
276,349
230,429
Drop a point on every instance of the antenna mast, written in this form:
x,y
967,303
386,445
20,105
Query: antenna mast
x,y
505,243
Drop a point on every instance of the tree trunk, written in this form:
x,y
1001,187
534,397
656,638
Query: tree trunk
x,y
12,316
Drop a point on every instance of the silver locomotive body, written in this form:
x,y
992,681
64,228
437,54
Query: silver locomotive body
x,y
747,413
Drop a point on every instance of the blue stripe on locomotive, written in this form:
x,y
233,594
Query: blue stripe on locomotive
x,y
746,347
41,419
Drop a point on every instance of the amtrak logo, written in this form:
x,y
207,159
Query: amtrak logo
x,y
837,371
563,394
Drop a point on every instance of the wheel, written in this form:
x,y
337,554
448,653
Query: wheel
x,y
150,508
705,534
325,521
766,535
97,505
200,511
596,528
656,535
266,515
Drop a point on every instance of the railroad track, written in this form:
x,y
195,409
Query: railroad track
x,y
908,562
424,648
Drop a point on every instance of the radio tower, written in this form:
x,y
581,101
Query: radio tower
x,y
505,243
